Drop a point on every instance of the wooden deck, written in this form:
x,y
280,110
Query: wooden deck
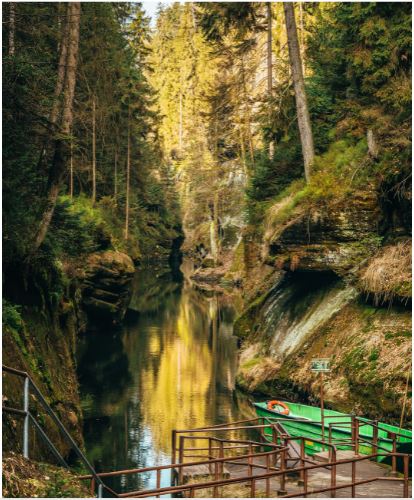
x,y
320,478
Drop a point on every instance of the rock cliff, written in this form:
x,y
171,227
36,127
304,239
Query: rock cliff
x,y
322,287
104,288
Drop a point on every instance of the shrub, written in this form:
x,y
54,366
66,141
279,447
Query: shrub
x,y
11,316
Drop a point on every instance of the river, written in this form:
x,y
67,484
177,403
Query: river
x,y
171,365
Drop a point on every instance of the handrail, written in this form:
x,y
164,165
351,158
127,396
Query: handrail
x,y
178,465
30,417
258,477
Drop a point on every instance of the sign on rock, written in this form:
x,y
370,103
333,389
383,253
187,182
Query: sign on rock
x,y
320,365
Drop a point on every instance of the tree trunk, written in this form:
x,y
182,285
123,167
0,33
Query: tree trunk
x,y
302,37
242,149
304,124
93,150
71,170
61,66
180,131
128,173
12,27
214,234
60,80
116,175
269,67
57,168
247,112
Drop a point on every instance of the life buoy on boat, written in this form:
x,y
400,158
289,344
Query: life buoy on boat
x,y
285,408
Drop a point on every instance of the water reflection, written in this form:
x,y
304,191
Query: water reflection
x,y
172,365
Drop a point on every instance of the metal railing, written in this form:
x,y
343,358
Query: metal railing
x,y
252,480
273,456
29,387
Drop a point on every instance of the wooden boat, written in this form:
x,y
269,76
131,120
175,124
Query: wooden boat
x,y
304,420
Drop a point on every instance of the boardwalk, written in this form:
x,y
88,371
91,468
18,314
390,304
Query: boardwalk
x,y
321,477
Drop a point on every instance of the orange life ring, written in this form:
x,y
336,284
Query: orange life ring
x,y
271,406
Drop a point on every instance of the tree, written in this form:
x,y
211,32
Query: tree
x,y
303,116
12,27
58,166
128,177
269,64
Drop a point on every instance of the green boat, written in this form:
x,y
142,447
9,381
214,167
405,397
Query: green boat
x,y
303,420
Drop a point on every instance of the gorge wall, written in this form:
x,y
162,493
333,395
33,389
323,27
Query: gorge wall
x,y
329,280
47,304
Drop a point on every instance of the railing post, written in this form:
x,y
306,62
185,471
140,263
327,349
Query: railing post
x,y
181,460
406,472
221,450
375,438
305,482
268,479
158,486
174,445
99,490
253,488
93,486
26,418
274,441
394,458
215,488
353,433
282,488
301,480
356,436
353,475
333,472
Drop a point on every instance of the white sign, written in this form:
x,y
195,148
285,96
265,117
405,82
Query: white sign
x,y
321,365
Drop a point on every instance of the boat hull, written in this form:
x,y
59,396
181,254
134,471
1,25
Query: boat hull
x,y
340,432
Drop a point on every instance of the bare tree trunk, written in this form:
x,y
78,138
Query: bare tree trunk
x,y
304,123
57,168
180,131
93,150
247,113
71,170
128,173
242,150
12,27
61,67
116,175
302,37
269,67
216,226
60,80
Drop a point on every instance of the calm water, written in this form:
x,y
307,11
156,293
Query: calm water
x,y
171,366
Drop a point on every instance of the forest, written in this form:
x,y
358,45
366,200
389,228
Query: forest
x,y
269,143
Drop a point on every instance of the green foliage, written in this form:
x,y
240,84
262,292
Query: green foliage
x,y
11,316
270,177
77,228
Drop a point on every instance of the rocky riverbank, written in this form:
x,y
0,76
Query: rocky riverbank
x,y
331,280
54,298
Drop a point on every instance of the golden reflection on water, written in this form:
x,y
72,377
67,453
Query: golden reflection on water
x,y
172,366
179,390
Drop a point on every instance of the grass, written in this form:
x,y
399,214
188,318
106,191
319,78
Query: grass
x,y
388,276
336,175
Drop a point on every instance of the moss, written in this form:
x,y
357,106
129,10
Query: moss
x,y
29,479
247,322
250,364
